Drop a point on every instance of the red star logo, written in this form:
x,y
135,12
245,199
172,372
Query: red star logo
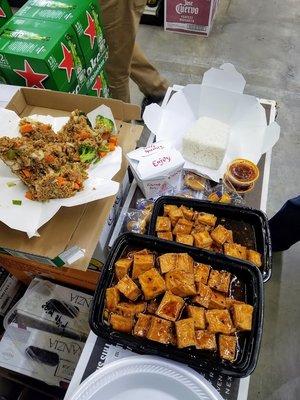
x,y
91,29
98,85
2,13
67,62
32,78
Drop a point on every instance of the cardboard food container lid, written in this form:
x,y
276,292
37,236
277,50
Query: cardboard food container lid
x,y
80,225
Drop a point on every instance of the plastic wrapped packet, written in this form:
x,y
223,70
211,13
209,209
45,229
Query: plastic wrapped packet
x,y
193,184
225,194
136,221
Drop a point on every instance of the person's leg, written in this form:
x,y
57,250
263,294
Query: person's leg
x,y
285,225
146,76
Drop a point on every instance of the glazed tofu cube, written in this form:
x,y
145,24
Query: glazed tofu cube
x,y
163,224
141,264
175,215
200,228
185,332
167,262
152,306
152,283
188,213
227,347
214,197
198,315
131,309
220,234
183,226
229,237
219,321
168,208
202,240
122,267
203,296
128,288
170,307
205,340
230,302
225,198
206,219
112,298
185,263
142,325
235,250
254,257
121,323
185,239
165,235
242,316
160,330
217,301
219,280
201,272
180,283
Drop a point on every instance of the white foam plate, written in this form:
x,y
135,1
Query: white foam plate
x,y
145,378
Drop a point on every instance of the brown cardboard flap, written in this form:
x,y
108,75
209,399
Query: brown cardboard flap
x,y
80,225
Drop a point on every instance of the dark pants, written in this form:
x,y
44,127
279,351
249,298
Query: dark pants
x,y
285,225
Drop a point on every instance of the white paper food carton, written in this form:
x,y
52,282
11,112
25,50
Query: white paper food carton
x,y
41,355
156,168
56,309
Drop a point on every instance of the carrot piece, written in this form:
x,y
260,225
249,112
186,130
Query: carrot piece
x,y
61,181
102,154
76,186
29,196
26,172
113,139
111,146
49,158
26,128
83,135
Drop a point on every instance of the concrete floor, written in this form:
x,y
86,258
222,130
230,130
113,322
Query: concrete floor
x,y
261,38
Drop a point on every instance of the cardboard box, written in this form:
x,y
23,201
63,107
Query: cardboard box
x,y
5,12
193,17
79,227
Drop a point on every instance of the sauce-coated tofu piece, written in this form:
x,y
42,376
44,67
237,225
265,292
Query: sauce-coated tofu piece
x,y
130,309
206,219
254,257
205,340
235,250
121,323
185,332
175,214
180,283
202,240
122,267
198,315
183,226
219,321
163,224
152,283
217,301
167,262
142,325
203,295
185,239
165,235
220,234
112,298
128,288
219,280
229,237
242,316
225,198
160,330
201,272
185,263
231,301
187,212
152,306
168,208
141,264
170,307
227,347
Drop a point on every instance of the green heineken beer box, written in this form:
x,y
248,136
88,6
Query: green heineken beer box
x,y
5,12
85,18
41,54
99,87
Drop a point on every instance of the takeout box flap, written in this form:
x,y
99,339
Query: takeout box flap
x,y
226,77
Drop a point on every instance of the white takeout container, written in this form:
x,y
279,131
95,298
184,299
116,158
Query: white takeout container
x,y
156,168
220,96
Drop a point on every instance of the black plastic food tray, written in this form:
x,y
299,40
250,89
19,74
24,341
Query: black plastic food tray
x,y
250,291
250,227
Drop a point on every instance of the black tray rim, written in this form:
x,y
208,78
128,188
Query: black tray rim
x,y
116,338
267,273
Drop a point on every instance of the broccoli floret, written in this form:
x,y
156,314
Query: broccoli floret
x,y
104,124
87,154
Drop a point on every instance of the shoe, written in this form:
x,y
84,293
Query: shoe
x,y
150,100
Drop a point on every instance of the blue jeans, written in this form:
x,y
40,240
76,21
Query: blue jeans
x,y
285,225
